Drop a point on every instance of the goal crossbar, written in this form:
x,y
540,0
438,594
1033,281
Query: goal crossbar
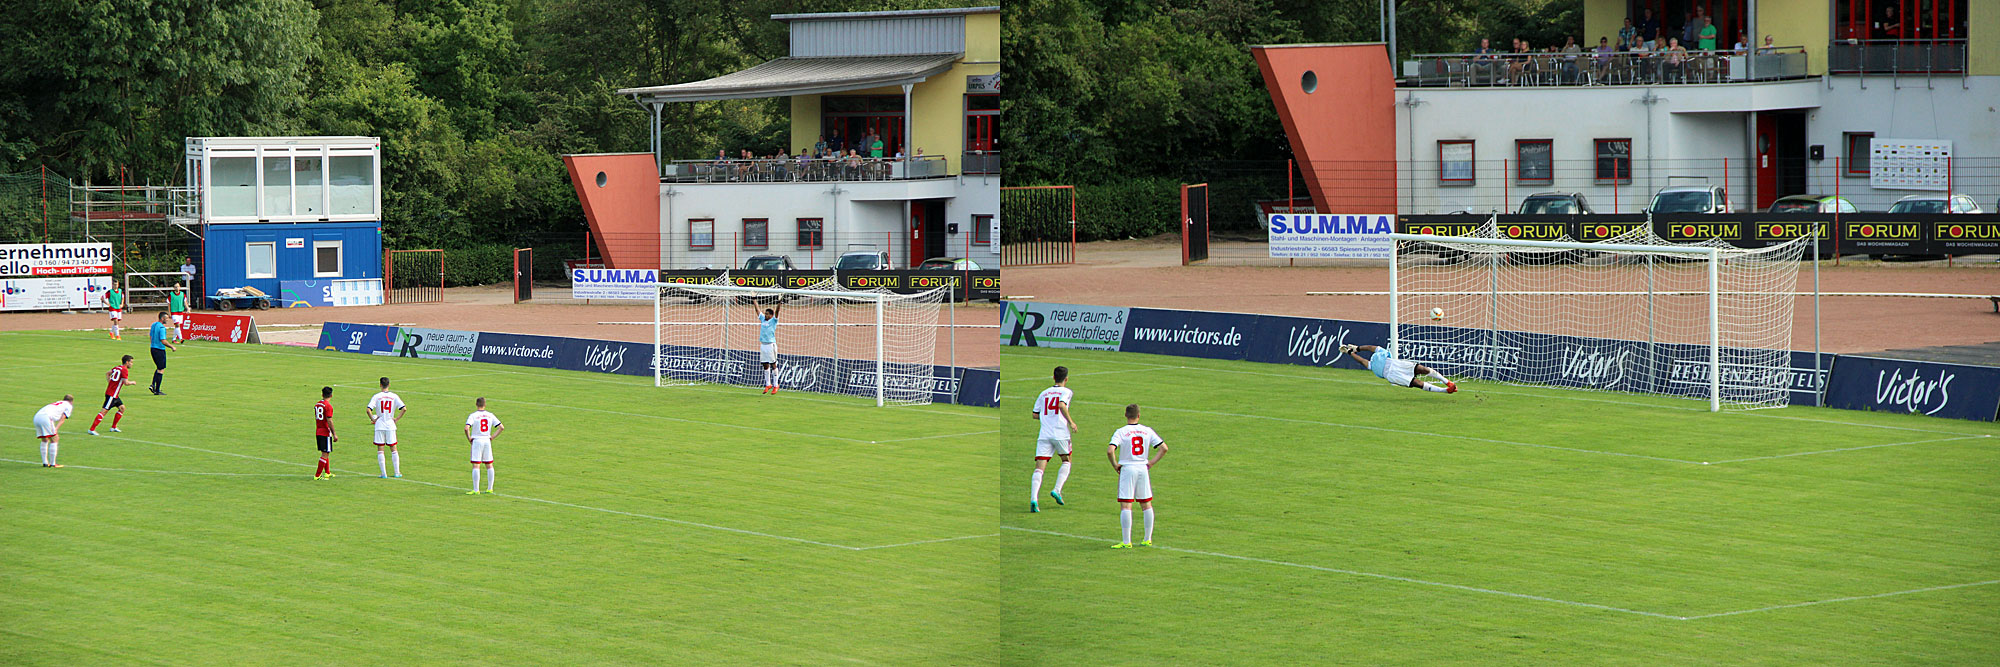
x,y
785,291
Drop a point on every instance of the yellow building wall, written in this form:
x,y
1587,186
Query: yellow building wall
x,y
1983,27
1601,18
937,105
1796,23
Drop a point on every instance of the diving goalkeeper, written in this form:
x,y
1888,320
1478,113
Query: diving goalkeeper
x,y
1397,371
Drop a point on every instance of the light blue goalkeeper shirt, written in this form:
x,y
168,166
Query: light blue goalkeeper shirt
x,y
767,329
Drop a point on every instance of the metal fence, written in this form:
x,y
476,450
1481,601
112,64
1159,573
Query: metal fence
x,y
1897,57
413,276
1038,225
1611,68
805,169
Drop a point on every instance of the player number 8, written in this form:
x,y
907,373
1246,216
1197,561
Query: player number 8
x,y
1138,445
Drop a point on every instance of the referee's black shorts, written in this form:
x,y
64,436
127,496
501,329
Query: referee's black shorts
x,y
160,358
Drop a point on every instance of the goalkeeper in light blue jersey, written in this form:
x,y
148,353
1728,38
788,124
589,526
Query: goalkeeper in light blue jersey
x,y
1398,372
767,345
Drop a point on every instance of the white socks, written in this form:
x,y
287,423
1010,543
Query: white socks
x,y
1036,494
1125,524
1439,376
1434,387
396,458
490,474
382,462
767,378
1149,524
52,452
1062,476
49,454
475,479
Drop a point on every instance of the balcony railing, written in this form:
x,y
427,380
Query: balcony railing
x,y
980,162
1599,69
805,170
1896,56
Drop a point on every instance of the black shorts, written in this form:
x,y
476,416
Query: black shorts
x,y
325,443
160,358
112,402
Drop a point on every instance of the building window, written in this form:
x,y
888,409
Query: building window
x,y
701,234
1537,161
812,233
982,229
353,178
277,186
982,133
232,187
326,259
260,260
1455,162
1858,146
310,179
756,233
1614,161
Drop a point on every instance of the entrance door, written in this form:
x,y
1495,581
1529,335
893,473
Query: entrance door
x,y
919,236
927,225
1767,162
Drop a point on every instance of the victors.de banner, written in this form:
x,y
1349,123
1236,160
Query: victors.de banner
x,y
1330,235
1031,324
55,259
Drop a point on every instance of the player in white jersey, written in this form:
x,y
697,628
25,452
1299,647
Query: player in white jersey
x,y
481,427
1397,371
48,427
1052,408
1129,449
385,408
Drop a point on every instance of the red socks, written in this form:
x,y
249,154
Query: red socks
x,y
100,420
114,419
323,467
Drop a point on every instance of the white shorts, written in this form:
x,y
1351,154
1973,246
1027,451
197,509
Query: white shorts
x,y
44,428
1047,448
1400,372
177,320
117,314
767,353
1135,483
482,450
385,436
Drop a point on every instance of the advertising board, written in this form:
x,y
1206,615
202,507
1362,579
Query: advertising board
x,y
55,259
436,343
53,293
1031,324
1330,235
631,284
219,328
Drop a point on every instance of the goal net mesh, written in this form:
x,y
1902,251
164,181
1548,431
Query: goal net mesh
x,y
829,341
1633,321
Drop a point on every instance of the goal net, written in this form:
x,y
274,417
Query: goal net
x,y
1634,313
874,344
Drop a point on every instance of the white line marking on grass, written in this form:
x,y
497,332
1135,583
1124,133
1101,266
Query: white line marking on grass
x,y
941,539
1373,575
168,472
1848,449
683,522
1078,375
1847,599
1404,432
932,437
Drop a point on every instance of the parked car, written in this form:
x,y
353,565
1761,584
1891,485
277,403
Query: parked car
x,y
1812,204
1555,203
862,261
768,263
1935,203
948,264
1691,199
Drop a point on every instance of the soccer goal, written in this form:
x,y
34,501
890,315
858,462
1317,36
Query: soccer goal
x,y
862,343
1635,313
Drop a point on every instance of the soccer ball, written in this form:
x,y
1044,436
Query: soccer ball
x,y
1437,313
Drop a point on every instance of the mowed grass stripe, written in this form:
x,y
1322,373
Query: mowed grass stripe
x,y
1666,538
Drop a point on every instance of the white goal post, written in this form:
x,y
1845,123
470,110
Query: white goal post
x,y
872,343
1635,314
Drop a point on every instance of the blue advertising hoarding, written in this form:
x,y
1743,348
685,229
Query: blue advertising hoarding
x,y
1189,333
520,350
1914,387
374,339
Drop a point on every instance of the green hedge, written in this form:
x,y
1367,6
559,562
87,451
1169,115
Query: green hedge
x,y
1135,208
478,265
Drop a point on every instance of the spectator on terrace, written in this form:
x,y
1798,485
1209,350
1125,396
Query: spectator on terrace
x,y
1676,60
1627,33
875,147
1649,27
1483,59
820,148
1600,64
1768,48
1570,51
1708,36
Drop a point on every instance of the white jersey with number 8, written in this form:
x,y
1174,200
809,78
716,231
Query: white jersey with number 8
x,y
480,424
1134,443
1049,405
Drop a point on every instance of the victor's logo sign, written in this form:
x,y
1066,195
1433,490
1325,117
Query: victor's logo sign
x,y
1315,344
1914,393
1702,231
604,358
1883,231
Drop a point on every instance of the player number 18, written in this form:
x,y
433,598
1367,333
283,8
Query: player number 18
x,y
319,413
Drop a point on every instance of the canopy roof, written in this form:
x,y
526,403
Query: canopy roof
x,y
802,76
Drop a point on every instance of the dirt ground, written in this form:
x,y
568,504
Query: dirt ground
x,y
551,313
1148,272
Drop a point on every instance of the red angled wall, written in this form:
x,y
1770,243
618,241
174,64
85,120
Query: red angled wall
x,y
624,212
1343,133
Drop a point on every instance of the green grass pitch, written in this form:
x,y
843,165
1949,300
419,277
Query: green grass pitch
x,y
633,524
1318,515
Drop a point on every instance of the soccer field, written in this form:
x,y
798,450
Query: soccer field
x,y
1323,515
635,524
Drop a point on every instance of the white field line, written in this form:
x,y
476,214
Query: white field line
x,y
1849,449
682,522
168,472
1847,599
1372,575
1406,432
941,539
1078,375
933,437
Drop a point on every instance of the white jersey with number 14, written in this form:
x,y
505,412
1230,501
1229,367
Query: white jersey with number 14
x,y
1049,405
385,404
1134,443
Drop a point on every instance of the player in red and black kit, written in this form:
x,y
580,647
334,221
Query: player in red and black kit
x,y
323,430
119,376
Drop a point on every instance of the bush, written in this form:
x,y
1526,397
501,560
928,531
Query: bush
x,y
1135,208
487,264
